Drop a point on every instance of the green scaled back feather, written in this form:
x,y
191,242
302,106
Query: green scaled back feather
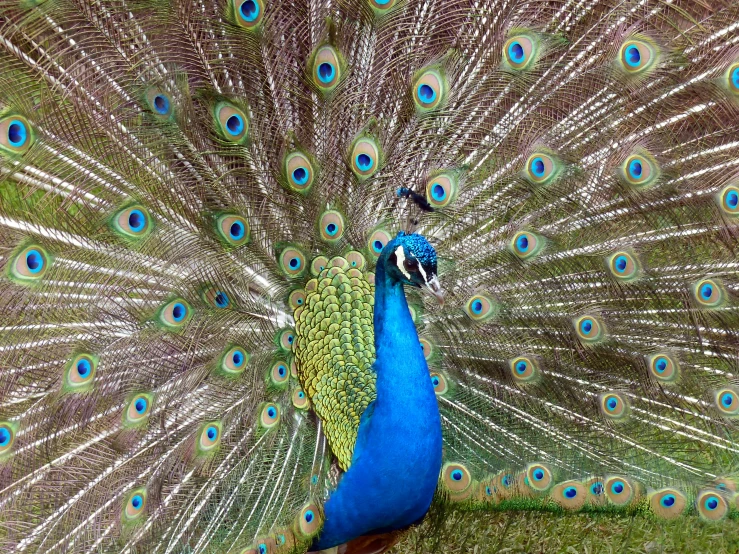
x,y
169,176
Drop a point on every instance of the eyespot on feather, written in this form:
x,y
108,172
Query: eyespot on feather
x,y
727,402
318,264
365,157
589,329
292,261
663,368
596,491
520,51
133,222
456,477
231,122
525,245
377,241
728,200
732,79
175,314
639,170
439,383
215,297
309,521
233,230
356,260
209,437
16,135
428,348
667,503
623,266
442,190
79,373
279,374
138,410
711,506
708,293
614,405
269,415
134,505
248,13
481,307
8,432
538,477
300,399
429,89
296,298
285,339
234,360
619,490
570,495
381,7
326,68
542,169
524,370
331,226
29,265
638,56
159,103
299,172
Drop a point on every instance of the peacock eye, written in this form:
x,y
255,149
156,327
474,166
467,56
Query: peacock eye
x,y
410,265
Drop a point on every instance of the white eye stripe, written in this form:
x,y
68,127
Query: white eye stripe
x,y
423,273
400,255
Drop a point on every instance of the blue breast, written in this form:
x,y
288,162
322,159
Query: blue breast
x,y
397,457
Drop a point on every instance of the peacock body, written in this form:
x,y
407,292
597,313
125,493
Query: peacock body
x,y
217,220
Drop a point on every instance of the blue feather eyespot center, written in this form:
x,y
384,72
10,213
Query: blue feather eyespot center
x,y
136,220
732,199
140,405
236,230
438,192
516,52
521,367
617,487
271,412
477,307
294,263
378,246
34,261
249,10
326,72
179,312
262,549
596,488
586,326
83,368
457,475
537,167
488,491
331,229
221,299
137,501
309,515
4,436
212,432
300,175
727,399
301,395
435,381
506,480
290,339
161,104
706,291
621,263
612,403
237,358
668,500
282,370
364,162
633,56
522,243
711,504
235,124
635,167
426,93
17,133
735,77
538,474
314,479
660,365
570,492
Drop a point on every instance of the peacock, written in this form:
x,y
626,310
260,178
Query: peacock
x,y
280,276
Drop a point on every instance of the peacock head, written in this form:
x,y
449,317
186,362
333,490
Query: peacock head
x,y
411,260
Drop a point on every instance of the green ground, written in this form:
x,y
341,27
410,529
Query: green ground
x,y
544,532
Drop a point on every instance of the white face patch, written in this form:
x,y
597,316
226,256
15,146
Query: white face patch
x,y
400,255
423,273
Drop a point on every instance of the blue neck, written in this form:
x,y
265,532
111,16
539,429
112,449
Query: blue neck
x,y
397,456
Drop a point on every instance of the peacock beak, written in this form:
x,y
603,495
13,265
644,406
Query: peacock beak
x,y
434,287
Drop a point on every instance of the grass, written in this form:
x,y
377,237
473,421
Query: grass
x,y
587,533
